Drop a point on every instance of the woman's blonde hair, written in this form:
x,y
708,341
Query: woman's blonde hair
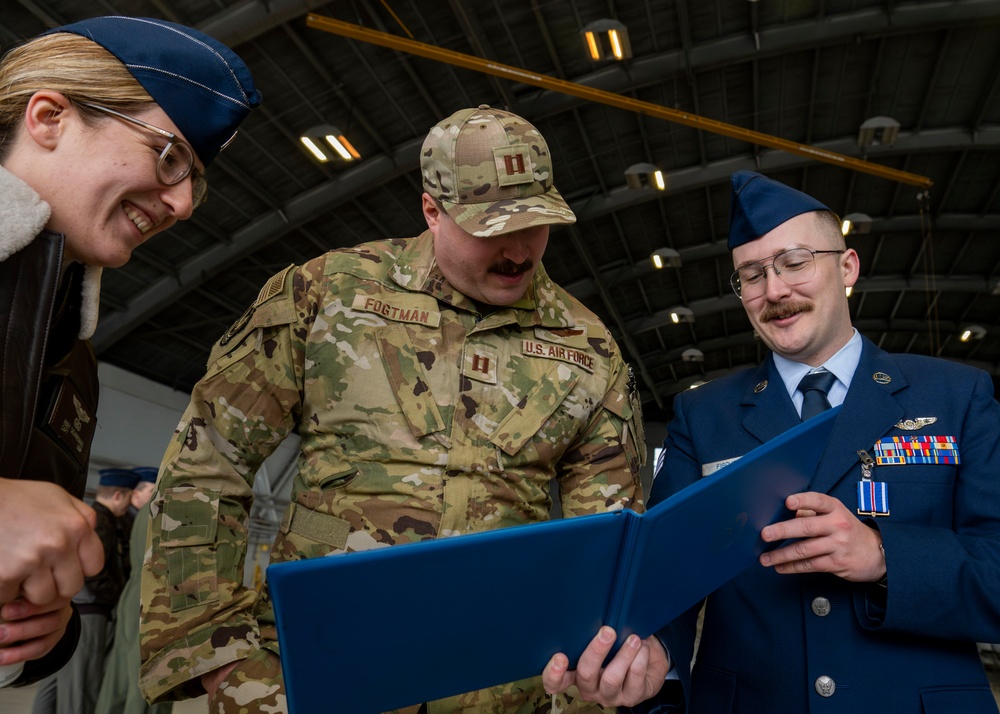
x,y
63,62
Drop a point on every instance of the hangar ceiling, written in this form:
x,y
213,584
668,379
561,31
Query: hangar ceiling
x,y
805,71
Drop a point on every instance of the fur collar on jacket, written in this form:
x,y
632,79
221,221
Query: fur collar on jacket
x,y
23,215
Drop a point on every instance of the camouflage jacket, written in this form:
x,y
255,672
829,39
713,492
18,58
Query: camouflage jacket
x,y
418,416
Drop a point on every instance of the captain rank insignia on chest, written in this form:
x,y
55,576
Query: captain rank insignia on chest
x,y
481,365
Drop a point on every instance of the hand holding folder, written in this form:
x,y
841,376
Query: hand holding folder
x,y
493,607
635,673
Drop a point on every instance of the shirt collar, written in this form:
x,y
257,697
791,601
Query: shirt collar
x,y
843,365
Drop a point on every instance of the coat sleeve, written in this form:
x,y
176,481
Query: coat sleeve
x,y
943,579
196,613
600,470
107,585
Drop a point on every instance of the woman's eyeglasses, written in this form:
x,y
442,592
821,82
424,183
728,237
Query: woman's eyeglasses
x,y
176,160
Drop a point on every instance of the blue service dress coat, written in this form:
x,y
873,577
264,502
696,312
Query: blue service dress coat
x,y
817,643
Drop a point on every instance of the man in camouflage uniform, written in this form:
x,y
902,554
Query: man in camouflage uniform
x,y
438,384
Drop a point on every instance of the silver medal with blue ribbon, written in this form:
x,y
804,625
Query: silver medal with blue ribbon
x,y
873,496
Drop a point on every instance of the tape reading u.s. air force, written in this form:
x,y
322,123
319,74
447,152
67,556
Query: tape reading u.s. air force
x,y
559,352
396,312
898,450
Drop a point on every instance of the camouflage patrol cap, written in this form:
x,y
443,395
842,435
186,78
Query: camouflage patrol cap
x,y
492,172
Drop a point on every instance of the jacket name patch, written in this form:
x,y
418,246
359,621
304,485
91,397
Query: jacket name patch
x,y
396,313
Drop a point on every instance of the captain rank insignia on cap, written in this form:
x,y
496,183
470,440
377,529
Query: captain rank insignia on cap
x,y
514,165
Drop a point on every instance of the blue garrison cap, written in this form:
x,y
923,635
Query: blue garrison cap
x,y
759,205
146,473
125,478
202,85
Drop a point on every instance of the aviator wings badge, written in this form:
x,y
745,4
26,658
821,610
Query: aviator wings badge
x,y
914,424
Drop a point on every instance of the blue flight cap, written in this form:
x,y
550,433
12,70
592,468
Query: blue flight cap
x,y
759,205
146,473
202,85
124,478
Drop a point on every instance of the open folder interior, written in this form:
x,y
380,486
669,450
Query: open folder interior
x,y
388,628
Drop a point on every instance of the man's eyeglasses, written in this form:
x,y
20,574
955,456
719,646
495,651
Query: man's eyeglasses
x,y
176,160
795,266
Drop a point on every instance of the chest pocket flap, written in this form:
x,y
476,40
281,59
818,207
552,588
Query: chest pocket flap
x,y
408,381
529,416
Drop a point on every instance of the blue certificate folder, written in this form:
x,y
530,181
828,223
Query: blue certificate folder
x,y
388,628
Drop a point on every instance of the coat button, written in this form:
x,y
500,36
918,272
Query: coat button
x,y
821,606
825,686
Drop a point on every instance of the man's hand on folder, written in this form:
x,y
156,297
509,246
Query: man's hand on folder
x,y
635,674
831,539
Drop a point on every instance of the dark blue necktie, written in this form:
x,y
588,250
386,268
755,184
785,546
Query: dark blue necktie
x,y
814,387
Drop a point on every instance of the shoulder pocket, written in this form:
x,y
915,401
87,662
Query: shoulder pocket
x,y
187,523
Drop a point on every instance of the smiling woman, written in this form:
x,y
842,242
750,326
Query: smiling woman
x,y
106,128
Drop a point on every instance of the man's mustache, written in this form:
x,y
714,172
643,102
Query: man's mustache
x,y
509,267
784,309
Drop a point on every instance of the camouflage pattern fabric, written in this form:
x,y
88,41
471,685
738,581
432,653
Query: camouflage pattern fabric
x,y
492,172
256,686
253,687
419,418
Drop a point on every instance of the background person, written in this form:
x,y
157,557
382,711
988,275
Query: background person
x,y
878,602
120,687
439,384
106,128
141,494
144,488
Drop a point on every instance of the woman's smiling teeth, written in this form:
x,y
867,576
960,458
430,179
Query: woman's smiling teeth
x,y
141,223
